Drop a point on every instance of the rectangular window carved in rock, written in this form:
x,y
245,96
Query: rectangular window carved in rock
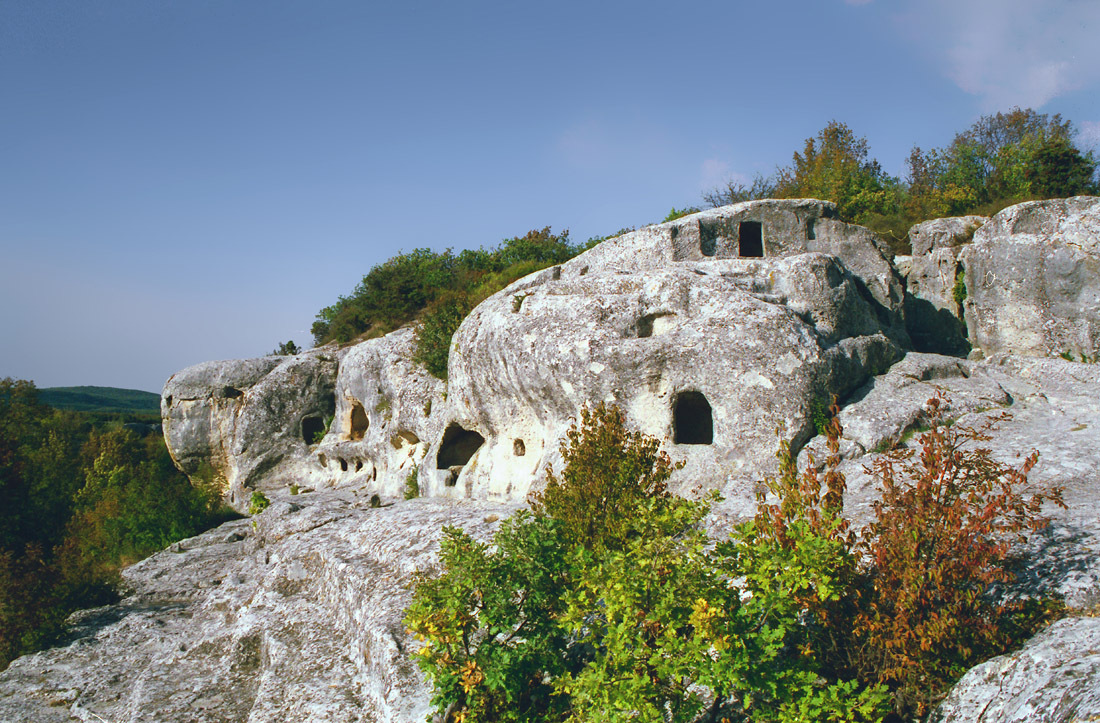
x,y
750,240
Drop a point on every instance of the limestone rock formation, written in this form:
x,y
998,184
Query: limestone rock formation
x,y
298,618
933,314
1053,679
710,332
246,424
294,616
944,233
711,357
387,408
1033,280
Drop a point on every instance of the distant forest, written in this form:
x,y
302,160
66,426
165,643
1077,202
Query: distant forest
x,y
100,399
83,496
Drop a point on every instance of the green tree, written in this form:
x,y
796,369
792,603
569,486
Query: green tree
x,y
836,166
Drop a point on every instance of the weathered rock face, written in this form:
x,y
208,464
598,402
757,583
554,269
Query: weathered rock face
x,y
944,233
1053,679
246,424
711,331
760,229
710,357
1033,280
933,316
297,618
387,410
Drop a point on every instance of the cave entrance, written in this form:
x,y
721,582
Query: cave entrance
x,y
750,239
358,423
692,420
313,428
457,447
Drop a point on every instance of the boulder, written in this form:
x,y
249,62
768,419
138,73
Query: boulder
x,y
1033,280
249,424
943,233
1055,678
712,357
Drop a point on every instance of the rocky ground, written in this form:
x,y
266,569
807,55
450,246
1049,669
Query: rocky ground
x,y
295,615
708,343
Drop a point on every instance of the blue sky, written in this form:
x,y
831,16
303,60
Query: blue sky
x,y
185,180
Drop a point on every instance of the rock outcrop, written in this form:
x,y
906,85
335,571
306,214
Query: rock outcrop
x,y
1054,678
1033,280
935,284
248,424
711,332
295,615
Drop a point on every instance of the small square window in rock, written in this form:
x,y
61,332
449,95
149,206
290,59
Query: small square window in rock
x,y
750,240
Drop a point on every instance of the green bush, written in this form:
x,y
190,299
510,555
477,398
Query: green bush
x,y
399,291
958,291
412,485
676,213
608,472
258,503
633,617
631,613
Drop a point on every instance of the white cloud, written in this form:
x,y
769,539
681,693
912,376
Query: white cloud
x,y
1010,52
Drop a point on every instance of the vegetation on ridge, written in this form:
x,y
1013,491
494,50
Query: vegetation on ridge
x,y
82,499
1001,160
607,601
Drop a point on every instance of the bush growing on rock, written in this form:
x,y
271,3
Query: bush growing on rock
x,y
939,542
399,290
609,602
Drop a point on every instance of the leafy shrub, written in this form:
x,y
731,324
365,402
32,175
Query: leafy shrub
x,y
287,348
630,612
437,326
319,434
1001,160
676,213
939,541
608,471
83,498
399,290
635,617
258,503
489,623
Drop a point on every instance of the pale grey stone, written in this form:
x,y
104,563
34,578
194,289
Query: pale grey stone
x,y
293,616
1033,280
1054,679
944,233
244,423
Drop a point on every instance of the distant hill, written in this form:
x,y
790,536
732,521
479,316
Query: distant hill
x,y
100,399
